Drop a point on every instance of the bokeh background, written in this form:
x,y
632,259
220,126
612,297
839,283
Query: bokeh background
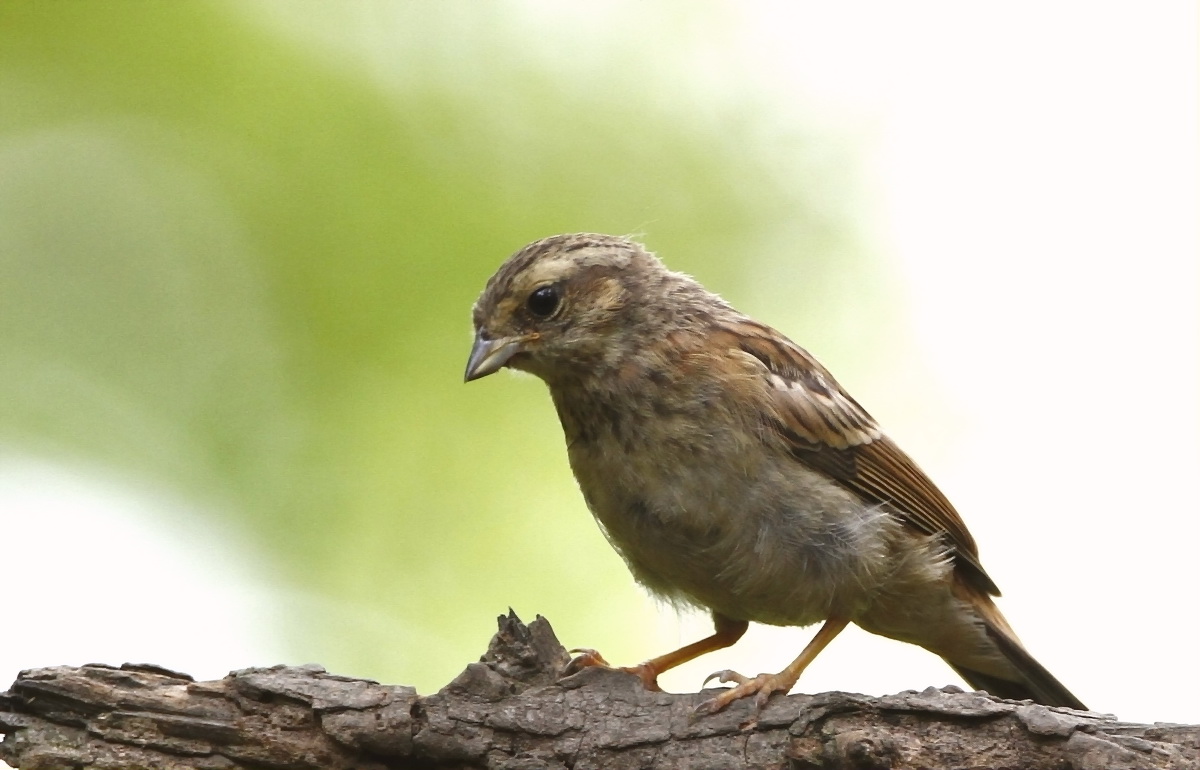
x,y
239,243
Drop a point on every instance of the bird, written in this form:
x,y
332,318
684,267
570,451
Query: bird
x,y
733,474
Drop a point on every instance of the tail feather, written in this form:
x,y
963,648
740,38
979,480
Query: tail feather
x,y
1035,682
1041,687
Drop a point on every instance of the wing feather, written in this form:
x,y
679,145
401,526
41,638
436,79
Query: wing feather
x,y
828,431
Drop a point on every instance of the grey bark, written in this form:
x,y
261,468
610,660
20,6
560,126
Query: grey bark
x,y
512,711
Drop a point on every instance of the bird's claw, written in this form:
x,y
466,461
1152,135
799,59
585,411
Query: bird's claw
x,y
585,657
760,687
725,676
588,658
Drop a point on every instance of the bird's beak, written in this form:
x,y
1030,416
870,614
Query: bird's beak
x,y
487,356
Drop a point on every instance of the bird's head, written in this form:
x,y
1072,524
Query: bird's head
x,y
567,306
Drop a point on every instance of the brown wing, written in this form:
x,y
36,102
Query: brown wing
x,y
828,431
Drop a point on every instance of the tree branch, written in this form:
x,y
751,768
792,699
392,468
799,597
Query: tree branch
x,y
512,711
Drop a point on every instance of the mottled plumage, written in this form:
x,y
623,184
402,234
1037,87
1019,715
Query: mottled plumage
x,y
732,472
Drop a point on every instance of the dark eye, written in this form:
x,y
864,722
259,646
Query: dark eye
x,y
543,301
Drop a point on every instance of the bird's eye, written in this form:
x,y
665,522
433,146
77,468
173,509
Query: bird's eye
x,y
543,301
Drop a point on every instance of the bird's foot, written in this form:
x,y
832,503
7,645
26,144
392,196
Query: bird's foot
x,y
587,658
760,687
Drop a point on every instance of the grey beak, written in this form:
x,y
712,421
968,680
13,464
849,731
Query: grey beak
x,y
487,356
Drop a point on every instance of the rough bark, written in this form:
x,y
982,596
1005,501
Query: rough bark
x,y
512,711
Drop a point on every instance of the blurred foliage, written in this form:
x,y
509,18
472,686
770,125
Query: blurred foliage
x,y
239,264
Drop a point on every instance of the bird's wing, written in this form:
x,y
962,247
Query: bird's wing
x,y
828,431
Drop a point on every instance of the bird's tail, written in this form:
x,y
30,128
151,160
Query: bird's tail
x,y
1027,679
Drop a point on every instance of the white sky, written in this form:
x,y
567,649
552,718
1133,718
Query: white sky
x,y
1037,165
117,581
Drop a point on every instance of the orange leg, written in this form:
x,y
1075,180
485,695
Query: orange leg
x,y
727,632
763,685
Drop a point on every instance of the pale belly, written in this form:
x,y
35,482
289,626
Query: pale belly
x,y
783,546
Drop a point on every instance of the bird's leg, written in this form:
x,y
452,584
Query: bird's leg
x,y
763,685
727,632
